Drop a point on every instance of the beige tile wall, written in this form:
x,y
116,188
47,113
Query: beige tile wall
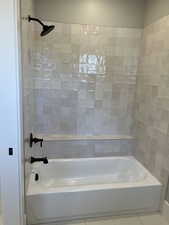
x,y
85,80
152,101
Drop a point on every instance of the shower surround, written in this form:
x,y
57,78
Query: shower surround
x,y
85,84
95,91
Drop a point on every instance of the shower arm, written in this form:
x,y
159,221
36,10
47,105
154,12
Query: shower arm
x,y
35,19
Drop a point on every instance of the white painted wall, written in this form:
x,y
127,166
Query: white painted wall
x,y
116,13
11,167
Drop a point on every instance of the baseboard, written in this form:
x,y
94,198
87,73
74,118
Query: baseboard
x,y
165,211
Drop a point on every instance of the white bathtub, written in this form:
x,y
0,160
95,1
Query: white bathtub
x,y
80,188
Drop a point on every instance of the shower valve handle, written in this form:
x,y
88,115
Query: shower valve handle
x,y
41,143
34,140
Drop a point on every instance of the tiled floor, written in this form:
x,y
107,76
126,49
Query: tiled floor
x,y
154,219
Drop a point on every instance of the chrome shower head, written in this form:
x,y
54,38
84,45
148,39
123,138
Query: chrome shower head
x,y
46,29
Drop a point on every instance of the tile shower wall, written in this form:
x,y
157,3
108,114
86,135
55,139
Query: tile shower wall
x,y
85,80
152,101
28,107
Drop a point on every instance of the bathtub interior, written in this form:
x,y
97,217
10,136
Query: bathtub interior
x,y
91,171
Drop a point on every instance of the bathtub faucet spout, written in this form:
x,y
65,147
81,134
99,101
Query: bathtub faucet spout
x,y
44,160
